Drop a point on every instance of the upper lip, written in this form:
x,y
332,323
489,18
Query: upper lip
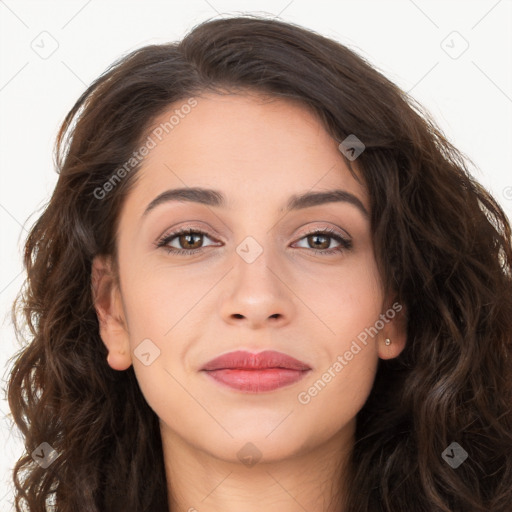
x,y
244,360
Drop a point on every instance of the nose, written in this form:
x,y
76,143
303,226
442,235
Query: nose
x,y
257,294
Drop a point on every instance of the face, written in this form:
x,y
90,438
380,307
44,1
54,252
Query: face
x,y
259,279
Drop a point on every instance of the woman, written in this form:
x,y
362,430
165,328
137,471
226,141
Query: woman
x,y
265,280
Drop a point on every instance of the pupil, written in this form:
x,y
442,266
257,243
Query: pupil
x,y
188,237
316,237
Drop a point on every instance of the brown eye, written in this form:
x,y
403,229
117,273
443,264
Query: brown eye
x,y
320,241
189,241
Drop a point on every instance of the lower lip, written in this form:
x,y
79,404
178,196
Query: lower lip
x,y
257,381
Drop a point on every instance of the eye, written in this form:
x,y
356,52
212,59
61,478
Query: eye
x,y
190,240
321,241
188,237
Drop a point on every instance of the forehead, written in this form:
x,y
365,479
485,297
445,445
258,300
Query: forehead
x,y
253,147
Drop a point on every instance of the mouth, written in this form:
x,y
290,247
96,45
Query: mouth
x,y
256,373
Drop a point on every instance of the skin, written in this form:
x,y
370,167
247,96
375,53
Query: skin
x,y
193,308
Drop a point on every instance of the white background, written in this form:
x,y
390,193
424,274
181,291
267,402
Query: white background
x,y
469,96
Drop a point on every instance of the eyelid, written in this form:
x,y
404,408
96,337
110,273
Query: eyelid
x,y
206,231
329,228
326,230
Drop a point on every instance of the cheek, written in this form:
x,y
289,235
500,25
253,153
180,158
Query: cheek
x,y
338,389
332,400
158,300
348,299
349,304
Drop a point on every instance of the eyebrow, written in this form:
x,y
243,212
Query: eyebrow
x,y
210,197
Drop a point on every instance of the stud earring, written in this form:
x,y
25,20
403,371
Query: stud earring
x,y
387,341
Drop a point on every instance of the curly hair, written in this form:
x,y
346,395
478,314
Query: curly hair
x,y
442,243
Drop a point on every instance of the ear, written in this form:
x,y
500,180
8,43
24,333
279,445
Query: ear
x,y
395,330
111,317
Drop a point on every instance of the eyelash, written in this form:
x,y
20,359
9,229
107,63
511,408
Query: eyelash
x,y
330,233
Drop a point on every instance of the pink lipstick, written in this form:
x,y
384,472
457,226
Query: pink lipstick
x,y
256,373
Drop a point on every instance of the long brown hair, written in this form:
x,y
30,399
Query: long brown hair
x,y
442,243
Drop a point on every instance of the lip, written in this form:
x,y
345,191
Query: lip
x,y
256,373
243,360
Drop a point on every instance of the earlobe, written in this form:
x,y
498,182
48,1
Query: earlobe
x,y
393,338
106,298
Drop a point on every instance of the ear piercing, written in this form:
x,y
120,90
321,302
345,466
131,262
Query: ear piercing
x,y
387,341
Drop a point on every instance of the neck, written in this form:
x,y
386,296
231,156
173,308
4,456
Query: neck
x,y
310,479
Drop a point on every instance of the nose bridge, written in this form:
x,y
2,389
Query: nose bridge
x,y
257,247
256,263
256,289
